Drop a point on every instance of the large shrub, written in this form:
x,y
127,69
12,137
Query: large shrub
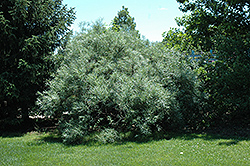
x,y
114,80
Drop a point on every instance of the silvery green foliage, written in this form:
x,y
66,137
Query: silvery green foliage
x,y
116,80
108,136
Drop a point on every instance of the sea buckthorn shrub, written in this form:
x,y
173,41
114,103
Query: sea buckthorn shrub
x,y
115,80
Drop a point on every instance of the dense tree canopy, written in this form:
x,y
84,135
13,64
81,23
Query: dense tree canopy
x,y
31,30
209,18
178,39
224,26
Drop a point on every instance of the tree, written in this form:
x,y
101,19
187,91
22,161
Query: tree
x,y
31,31
124,21
176,38
209,18
223,25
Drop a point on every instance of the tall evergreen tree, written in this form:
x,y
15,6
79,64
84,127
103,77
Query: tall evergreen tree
x,y
123,21
30,32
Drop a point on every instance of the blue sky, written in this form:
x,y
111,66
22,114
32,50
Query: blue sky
x,y
152,17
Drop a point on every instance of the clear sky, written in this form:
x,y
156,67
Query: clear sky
x,y
152,17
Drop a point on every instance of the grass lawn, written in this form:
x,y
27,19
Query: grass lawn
x,y
35,148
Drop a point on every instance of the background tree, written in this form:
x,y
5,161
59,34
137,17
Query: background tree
x,y
227,81
124,21
209,18
31,31
178,39
223,25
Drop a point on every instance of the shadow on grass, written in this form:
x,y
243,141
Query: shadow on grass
x,y
228,135
229,143
11,134
52,138
19,129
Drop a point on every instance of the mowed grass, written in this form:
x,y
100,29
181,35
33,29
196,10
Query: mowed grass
x,y
187,149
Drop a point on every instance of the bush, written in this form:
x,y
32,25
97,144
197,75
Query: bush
x,y
108,136
114,80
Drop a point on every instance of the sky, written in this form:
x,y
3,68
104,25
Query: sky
x,y
152,17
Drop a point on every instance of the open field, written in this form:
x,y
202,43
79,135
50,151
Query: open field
x,y
35,148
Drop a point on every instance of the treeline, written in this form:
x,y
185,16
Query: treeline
x,y
111,80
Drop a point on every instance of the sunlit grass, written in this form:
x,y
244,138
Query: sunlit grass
x,y
46,149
